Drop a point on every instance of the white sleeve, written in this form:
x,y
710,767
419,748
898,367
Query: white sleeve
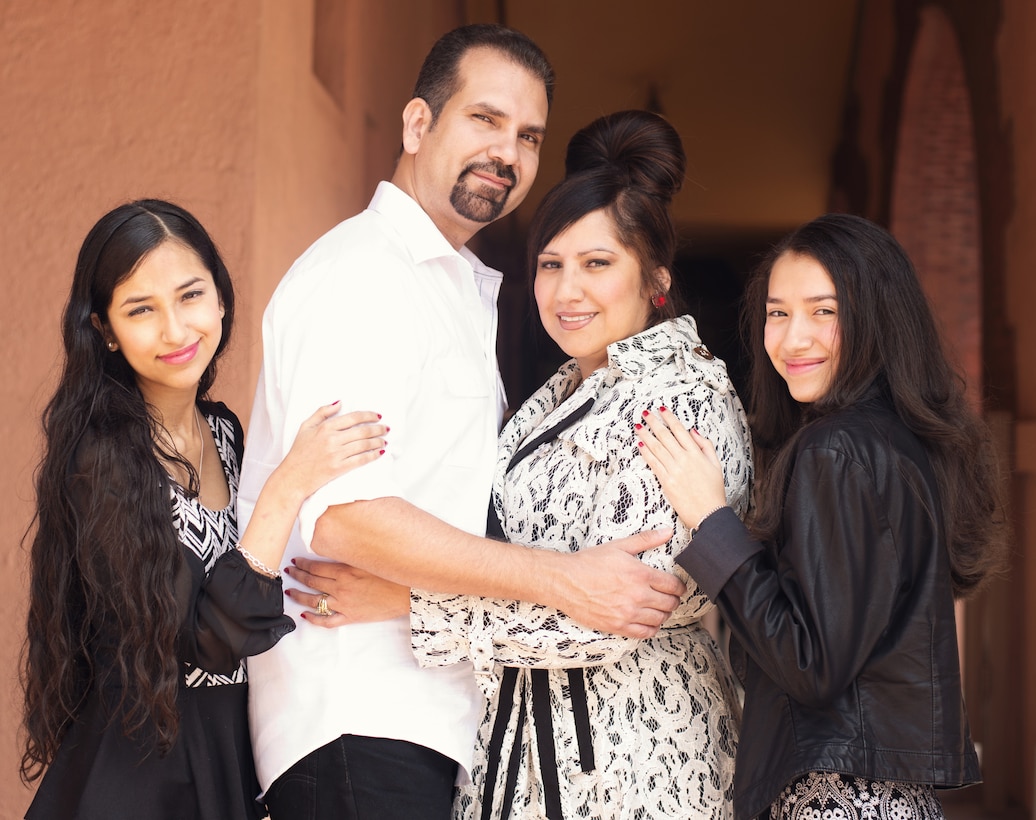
x,y
336,330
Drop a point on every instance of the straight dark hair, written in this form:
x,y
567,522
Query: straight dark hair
x,y
888,341
439,76
119,572
629,164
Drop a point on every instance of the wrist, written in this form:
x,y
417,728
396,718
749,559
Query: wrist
x,y
552,572
287,490
255,563
709,514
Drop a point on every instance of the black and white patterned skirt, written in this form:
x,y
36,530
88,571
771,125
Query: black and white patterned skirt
x,y
835,796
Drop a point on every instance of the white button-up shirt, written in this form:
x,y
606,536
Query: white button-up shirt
x,y
382,314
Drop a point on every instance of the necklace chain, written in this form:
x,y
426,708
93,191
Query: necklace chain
x,y
201,441
201,452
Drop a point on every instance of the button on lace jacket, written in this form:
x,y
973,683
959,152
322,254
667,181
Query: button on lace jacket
x,y
654,735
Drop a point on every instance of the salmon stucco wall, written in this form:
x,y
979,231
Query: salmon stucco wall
x,y
102,103
214,106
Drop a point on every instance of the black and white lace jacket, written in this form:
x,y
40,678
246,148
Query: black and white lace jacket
x,y
654,733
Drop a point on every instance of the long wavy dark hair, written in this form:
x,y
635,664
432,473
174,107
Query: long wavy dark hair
x,y
888,342
104,551
629,164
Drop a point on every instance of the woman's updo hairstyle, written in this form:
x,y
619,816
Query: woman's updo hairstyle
x,y
629,164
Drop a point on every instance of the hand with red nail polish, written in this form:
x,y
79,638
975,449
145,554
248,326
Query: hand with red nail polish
x,y
686,466
328,444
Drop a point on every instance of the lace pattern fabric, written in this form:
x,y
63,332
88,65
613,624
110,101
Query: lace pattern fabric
x,y
836,796
663,713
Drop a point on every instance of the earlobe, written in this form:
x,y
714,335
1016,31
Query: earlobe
x,y
417,119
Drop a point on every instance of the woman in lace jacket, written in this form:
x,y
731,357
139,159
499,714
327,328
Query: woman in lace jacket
x,y
580,723
141,609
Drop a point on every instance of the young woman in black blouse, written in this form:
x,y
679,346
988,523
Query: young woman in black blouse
x,y
143,600
879,505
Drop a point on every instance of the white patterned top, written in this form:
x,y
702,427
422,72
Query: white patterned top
x,y
662,712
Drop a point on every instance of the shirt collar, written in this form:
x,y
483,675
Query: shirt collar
x,y
645,351
416,229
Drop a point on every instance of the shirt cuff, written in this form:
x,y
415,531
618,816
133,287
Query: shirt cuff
x,y
720,545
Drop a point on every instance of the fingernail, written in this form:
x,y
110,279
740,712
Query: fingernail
x,y
287,571
662,409
640,443
379,415
381,452
387,429
304,616
293,561
695,431
644,414
335,402
636,426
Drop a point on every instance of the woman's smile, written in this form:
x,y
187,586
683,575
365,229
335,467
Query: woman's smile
x,y
181,356
575,321
589,290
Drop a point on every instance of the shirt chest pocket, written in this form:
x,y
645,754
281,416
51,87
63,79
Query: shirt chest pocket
x,y
465,423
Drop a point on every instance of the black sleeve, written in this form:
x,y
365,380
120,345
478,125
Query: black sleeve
x,y
810,613
237,613
230,614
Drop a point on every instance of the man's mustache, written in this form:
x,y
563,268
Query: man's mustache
x,y
497,169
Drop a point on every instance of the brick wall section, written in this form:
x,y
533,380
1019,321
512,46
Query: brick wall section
x,y
935,211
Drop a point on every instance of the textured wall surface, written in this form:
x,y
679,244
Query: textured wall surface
x,y
102,103
1016,59
212,105
273,120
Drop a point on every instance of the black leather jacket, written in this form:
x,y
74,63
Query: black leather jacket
x,y
843,629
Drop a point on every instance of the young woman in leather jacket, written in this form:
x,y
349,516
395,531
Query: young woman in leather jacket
x,y
879,504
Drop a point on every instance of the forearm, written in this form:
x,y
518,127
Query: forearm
x,y
607,588
395,540
274,515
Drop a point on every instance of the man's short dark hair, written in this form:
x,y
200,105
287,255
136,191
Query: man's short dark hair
x,y
439,77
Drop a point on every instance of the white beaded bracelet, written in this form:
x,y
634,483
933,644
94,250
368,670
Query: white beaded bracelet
x,y
256,563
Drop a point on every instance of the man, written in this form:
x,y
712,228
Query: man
x,y
390,312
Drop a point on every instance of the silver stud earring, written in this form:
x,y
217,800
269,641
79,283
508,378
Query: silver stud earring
x,y
112,346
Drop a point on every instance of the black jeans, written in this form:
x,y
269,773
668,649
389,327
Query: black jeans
x,y
365,778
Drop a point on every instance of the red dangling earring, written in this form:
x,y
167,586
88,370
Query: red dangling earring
x,y
658,300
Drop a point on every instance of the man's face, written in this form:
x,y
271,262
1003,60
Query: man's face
x,y
480,158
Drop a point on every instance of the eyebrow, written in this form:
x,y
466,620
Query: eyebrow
x,y
133,300
590,252
831,297
492,110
